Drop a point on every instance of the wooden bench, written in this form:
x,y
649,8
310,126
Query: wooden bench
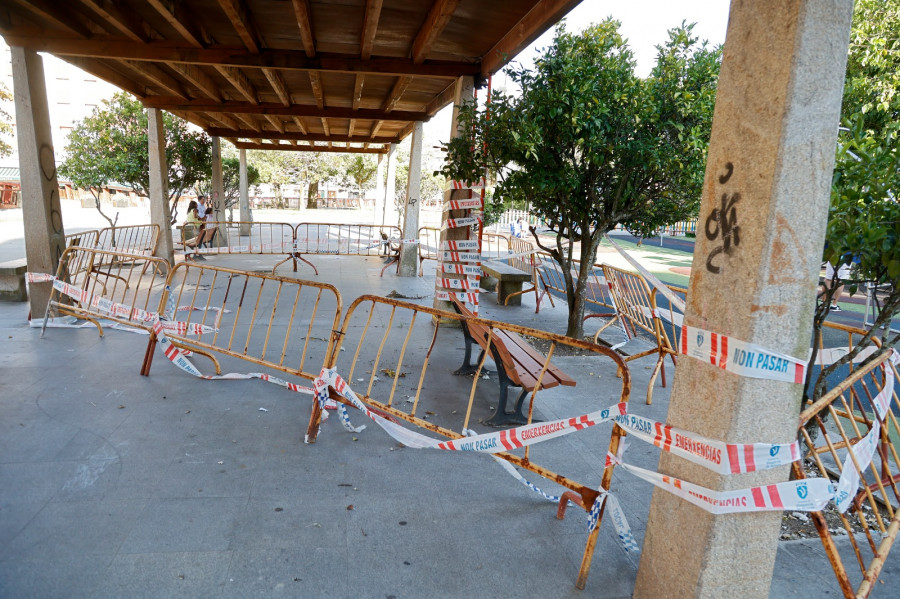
x,y
12,281
509,281
518,365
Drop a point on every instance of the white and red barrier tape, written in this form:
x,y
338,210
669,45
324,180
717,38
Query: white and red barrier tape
x,y
468,204
461,269
448,256
456,245
459,223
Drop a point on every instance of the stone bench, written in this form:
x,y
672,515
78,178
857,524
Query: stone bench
x,y
12,281
509,281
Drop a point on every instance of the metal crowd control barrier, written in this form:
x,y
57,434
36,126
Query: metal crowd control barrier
x,y
596,290
526,259
276,322
493,245
396,350
85,239
637,310
132,239
840,419
339,239
226,238
95,279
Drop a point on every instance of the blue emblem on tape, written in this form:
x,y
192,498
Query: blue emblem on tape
x,y
774,450
700,338
802,491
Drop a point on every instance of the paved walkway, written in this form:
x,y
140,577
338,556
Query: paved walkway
x,y
117,485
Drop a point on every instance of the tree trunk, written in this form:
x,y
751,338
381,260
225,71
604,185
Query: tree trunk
x,y
312,195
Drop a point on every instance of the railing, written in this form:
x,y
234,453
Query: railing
x,y
132,239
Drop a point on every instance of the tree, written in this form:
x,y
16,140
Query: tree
x,y
231,181
589,144
361,169
6,127
111,146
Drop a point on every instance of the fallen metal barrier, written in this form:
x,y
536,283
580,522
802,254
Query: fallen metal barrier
x,y
279,323
861,412
637,310
339,239
385,373
131,239
97,285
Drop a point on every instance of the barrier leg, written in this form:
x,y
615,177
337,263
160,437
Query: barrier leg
x,y
588,555
315,419
659,366
148,355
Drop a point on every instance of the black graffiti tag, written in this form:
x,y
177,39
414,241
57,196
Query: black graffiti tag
x,y
722,224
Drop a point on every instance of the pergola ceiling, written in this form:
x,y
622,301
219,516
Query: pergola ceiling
x,y
342,75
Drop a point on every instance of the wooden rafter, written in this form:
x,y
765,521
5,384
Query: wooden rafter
x,y
264,146
275,122
169,52
224,119
376,126
124,22
528,29
196,76
176,14
441,100
351,127
315,82
108,74
239,15
304,22
370,28
156,76
300,124
437,19
240,82
396,93
276,108
58,14
289,136
277,83
248,121
325,126
358,90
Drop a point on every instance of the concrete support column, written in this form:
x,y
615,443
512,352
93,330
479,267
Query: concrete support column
x,y
245,194
160,213
218,191
409,252
465,92
388,212
379,187
41,212
754,277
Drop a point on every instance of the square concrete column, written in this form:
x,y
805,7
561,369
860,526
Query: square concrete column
x,y
465,92
41,211
754,276
218,191
159,185
245,193
409,252
388,212
379,187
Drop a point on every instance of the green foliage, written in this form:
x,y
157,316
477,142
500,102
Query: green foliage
x,y
231,181
873,64
361,169
111,146
6,127
589,144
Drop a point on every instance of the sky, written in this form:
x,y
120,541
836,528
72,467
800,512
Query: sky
x,y
644,25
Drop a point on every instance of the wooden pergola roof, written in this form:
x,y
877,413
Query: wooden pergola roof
x,y
340,75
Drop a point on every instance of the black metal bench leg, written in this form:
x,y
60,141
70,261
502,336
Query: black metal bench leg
x,y
467,367
520,416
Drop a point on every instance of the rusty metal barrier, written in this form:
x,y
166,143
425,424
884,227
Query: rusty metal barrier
x,y
85,239
131,239
89,281
637,310
396,360
493,245
338,239
239,237
841,419
280,323
596,290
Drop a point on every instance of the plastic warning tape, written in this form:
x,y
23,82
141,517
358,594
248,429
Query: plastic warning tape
x,y
467,204
467,185
461,284
459,223
457,245
449,256
468,296
739,357
863,451
805,495
461,269
724,458
882,401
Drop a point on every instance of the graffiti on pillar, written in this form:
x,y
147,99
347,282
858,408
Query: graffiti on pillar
x,y
721,224
47,162
412,201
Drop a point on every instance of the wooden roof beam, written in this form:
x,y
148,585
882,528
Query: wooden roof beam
x,y
290,136
169,52
277,83
441,100
300,124
325,126
276,108
224,119
358,90
396,92
376,126
156,76
304,22
291,148
124,22
351,127
108,74
315,82
57,14
248,121
197,77
369,28
430,31
541,17
179,17
240,82
239,15
275,122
